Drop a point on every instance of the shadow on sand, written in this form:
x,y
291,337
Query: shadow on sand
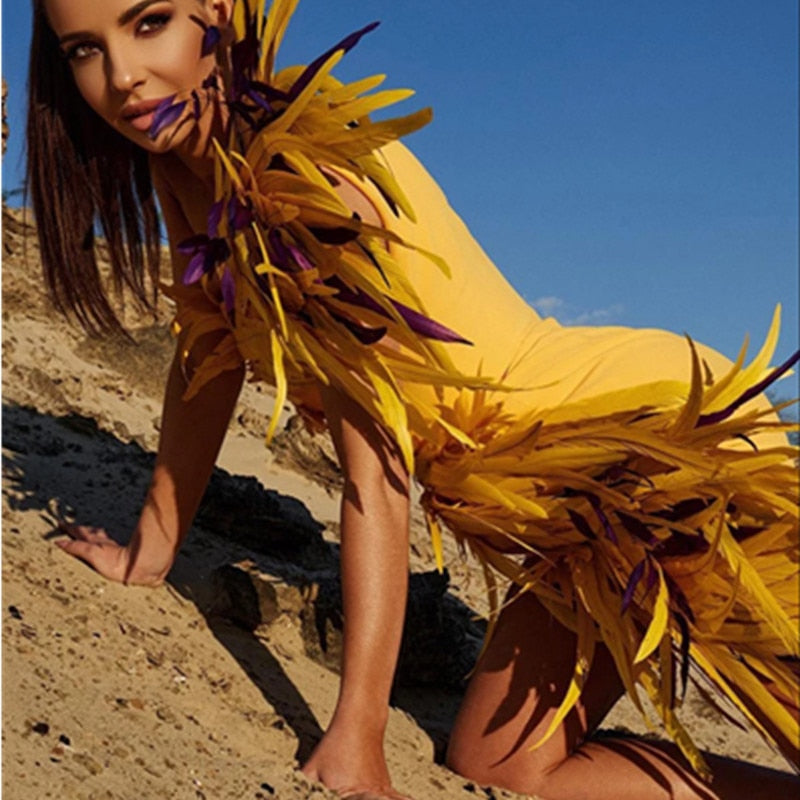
x,y
103,480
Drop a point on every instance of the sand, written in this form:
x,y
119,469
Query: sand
x,y
217,684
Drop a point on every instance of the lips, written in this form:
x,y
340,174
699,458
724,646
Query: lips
x,y
140,115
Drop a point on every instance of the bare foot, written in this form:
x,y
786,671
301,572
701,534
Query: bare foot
x,y
352,764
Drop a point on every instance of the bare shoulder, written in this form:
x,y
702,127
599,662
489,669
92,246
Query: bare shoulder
x,y
355,197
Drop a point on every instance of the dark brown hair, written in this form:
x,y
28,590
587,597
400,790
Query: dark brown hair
x,y
82,173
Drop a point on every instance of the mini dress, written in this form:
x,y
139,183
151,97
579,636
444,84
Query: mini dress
x,y
640,484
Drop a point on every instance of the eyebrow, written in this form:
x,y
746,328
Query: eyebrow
x,y
124,18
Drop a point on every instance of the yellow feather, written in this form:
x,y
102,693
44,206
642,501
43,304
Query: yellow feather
x,y
231,170
718,387
393,410
280,12
345,92
755,371
281,384
347,112
436,541
753,584
290,115
658,624
687,419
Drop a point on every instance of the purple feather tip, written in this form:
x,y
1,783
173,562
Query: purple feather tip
x,y
428,327
239,215
594,501
749,394
214,218
205,254
165,114
228,290
257,98
418,322
195,269
211,38
300,257
347,44
633,582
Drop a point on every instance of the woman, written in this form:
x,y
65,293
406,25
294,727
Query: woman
x,y
295,256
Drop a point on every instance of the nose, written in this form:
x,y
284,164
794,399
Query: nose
x,y
123,70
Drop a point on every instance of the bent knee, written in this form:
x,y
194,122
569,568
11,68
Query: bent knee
x,y
469,767
522,771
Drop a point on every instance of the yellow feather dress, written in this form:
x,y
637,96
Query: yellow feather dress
x,y
653,488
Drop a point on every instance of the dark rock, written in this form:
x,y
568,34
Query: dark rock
x,y
310,453
250,597
440,642
241,510
440,638
322,622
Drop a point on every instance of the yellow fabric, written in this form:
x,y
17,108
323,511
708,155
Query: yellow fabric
x,y
552,362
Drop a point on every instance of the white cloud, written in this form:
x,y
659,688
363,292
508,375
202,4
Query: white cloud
x,y
599,316
547,306
568,314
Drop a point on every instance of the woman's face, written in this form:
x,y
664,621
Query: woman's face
x,y
127,56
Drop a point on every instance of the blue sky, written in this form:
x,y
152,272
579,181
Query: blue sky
x,y
630,163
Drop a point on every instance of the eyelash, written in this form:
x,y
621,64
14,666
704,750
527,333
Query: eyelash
x,y
74,53
161,21
156,22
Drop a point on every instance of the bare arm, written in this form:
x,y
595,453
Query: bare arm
x,y
191,436
374,563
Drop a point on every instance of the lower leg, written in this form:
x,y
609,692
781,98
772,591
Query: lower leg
x,y
374,568
515,692
631,769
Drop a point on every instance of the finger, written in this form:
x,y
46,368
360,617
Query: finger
x,y
80,549
95,555
84,533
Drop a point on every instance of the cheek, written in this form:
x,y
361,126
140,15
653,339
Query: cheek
x,y
181,64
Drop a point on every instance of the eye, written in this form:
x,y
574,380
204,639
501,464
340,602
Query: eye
x,y
81,51
152,23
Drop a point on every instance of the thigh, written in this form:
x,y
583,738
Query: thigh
x,y
516,689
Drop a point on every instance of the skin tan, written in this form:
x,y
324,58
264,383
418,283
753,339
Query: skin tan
x,y
129,53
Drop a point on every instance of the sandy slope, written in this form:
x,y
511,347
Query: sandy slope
x,y
114,692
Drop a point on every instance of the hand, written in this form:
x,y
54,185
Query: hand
x,y
131,564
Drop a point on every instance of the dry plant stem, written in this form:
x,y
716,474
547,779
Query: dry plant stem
x,y
374,563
